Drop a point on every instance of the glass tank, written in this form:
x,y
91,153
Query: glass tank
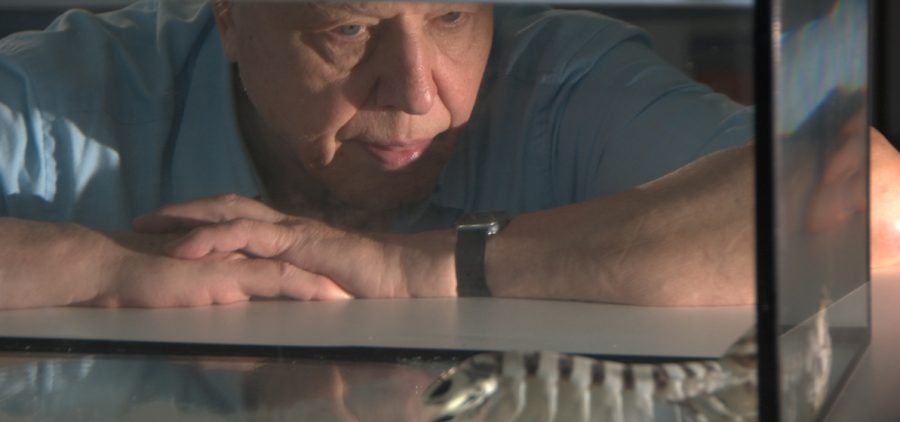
x,y
813,184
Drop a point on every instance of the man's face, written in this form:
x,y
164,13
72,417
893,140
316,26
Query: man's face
x,y
368,97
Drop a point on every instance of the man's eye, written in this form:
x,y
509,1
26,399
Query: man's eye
x,y
350,31
452,18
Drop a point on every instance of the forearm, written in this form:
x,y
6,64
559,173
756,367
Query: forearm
x,y
684,239
46,264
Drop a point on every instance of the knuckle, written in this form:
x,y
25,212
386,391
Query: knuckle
x,y
228,198
287,239
244,224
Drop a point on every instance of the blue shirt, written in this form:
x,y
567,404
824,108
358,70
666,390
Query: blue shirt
x,y
106,117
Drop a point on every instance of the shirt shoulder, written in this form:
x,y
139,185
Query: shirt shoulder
x,y
103,62
576,105
94,108
538,56
547,45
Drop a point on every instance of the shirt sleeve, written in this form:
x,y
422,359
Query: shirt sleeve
x,y
27,176
52,88
94,109
633,118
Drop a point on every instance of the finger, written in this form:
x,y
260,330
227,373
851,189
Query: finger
x,y
272,278
255,238
187,215
182,283
225,256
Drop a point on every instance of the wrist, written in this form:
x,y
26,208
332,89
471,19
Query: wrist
x,y
46,264
426,262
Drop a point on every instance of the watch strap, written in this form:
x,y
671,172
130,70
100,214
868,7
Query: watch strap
x,y
470,248
472,234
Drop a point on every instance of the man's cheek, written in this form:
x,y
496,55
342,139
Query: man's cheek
x,y
314,116
459,95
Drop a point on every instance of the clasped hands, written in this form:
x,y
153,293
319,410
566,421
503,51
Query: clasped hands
x,y
231,248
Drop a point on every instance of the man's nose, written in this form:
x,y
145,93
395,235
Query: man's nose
x,y
406,79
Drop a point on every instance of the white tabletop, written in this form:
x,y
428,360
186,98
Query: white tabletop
x,y
455,324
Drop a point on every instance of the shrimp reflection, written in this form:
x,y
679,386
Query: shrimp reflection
x,y
547,386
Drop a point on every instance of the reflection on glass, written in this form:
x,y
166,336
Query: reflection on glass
x,y
821,167
210,389
509,386
554,387
822,121
806,358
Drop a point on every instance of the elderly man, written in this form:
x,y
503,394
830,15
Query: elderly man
x,y
324,151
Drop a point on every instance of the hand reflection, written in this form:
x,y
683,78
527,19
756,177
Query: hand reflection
x,y
840,193
345,391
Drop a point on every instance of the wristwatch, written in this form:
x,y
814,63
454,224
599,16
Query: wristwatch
x,y
472,233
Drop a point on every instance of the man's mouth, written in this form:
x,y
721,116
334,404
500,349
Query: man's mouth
x,y
398,154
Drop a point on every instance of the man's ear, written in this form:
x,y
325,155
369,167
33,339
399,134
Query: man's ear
x,y
222,10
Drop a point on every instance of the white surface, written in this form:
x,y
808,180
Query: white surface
x,y
458,324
